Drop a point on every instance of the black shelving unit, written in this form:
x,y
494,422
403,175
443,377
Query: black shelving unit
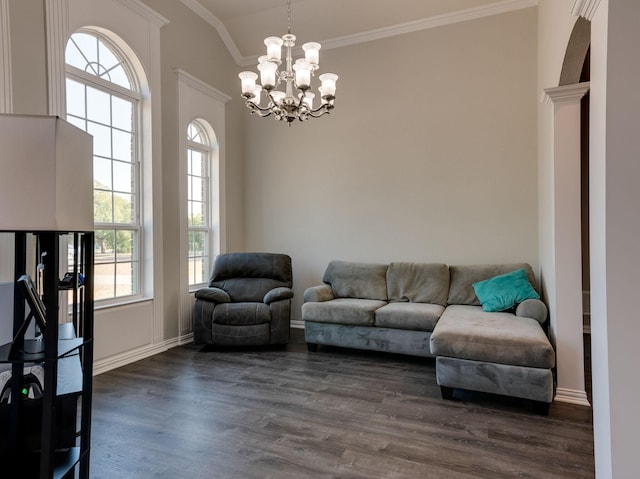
x,y
47,434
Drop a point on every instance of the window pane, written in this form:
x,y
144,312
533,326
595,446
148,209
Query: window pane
x,y
122,113
102,173
124,279
101,139
122,147
75,99
119,76
88,46
102,207
79,122
196,163
124,245
105,57
196,189
122,177
98,106
122,208
195,214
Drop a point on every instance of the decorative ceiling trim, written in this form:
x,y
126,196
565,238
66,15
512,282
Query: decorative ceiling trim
x,y
496,8
201,86
145,12
585,8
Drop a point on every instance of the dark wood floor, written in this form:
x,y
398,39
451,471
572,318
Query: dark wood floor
x,y
286,413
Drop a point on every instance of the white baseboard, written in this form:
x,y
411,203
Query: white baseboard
x,y
572,396
128,357
297,324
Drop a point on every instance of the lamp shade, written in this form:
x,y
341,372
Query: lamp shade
x,y
46,182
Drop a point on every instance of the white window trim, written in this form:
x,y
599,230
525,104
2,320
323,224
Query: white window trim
x,y
139,27
135,97
198,100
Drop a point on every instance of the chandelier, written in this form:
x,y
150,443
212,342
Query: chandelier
x,y
297,99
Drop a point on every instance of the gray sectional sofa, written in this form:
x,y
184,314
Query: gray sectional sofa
x,y
432,310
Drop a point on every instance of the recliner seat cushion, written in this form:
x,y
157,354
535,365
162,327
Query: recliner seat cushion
x,y
241,314
412,316
467,332
356,312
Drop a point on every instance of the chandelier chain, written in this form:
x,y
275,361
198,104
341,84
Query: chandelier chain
x,y
289,16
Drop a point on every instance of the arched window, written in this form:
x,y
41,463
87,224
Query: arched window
x,y
198,202
103,99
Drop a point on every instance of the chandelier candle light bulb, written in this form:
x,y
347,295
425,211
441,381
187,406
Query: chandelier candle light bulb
x,y
296,101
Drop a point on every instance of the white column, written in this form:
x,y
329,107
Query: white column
x,y
615,236
565,294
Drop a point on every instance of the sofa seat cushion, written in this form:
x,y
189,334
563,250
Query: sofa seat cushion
x,y
467,332
356,312
241,314
405,315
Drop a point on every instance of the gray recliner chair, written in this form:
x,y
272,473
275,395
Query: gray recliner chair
x,y
248,301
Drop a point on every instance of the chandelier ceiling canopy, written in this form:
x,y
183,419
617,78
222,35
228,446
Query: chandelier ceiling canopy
x,y
297,99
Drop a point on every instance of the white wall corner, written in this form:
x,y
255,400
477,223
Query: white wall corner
x,y
585,8
215,22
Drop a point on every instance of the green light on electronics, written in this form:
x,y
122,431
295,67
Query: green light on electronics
x,y
25,391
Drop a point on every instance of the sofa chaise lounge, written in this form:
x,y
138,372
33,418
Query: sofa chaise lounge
x,y
432,310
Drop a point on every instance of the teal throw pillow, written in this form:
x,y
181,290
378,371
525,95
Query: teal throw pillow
x,y
504,291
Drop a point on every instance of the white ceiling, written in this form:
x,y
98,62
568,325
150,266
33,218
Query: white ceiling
x,y
243,24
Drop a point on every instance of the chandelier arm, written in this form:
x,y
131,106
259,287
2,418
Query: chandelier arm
x,y
262,112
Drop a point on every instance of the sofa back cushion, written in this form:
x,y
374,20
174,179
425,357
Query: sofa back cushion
x,y
418,282
249,276
357,280
461,279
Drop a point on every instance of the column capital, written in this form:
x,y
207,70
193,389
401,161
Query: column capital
x,y
585,8
566,93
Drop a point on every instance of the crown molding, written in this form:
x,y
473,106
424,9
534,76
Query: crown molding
x,y
435,21
496,8
145,11
585,8
201,86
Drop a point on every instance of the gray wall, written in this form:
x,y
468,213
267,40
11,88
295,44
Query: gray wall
x,y
429,155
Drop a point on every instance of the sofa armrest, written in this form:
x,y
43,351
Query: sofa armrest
x,y
318,294
278,294
213,295
533,308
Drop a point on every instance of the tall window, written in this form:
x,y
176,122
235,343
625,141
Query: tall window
x,y
102,99
198,202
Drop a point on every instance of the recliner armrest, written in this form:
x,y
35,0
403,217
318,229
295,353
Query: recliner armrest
x,y
278,294
533,308
213,295
318,294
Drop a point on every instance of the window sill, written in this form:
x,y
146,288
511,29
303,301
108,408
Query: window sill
x,y
128,302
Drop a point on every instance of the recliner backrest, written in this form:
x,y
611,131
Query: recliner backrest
x,y
249,276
